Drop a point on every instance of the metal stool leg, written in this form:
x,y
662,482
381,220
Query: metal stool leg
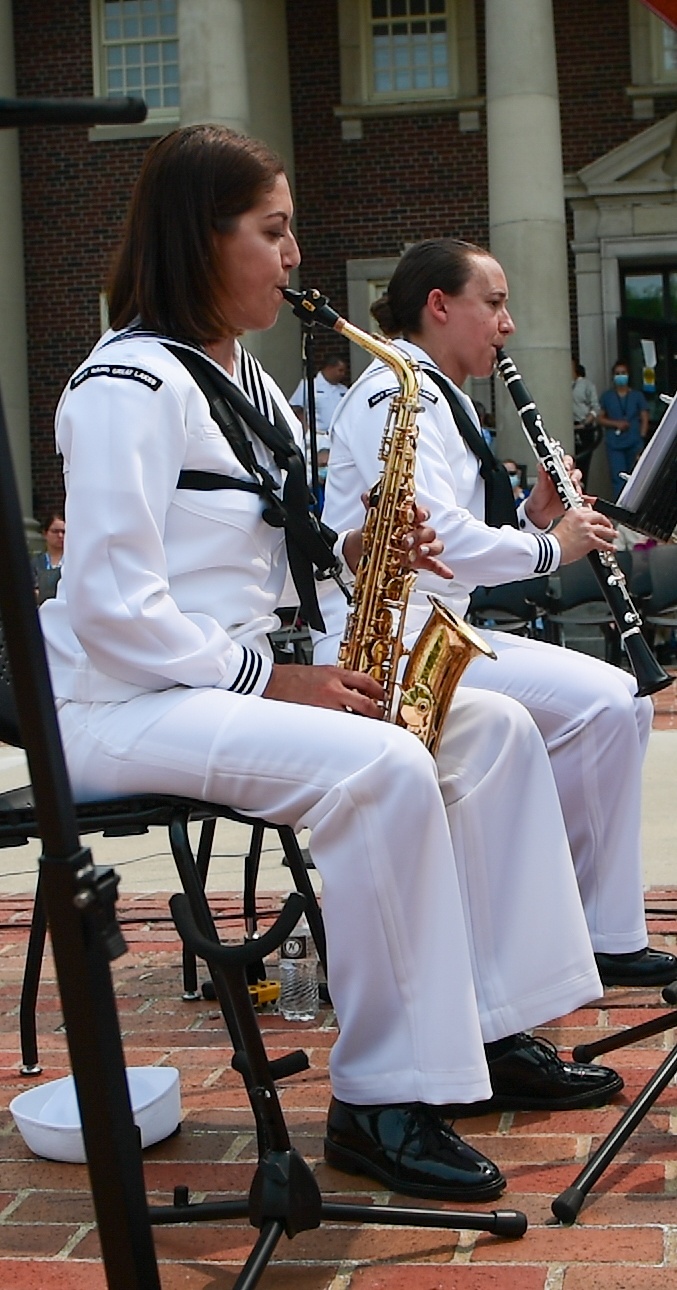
x,y
29,990
204,853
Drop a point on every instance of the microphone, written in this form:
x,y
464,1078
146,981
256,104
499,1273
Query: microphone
x,y
113,111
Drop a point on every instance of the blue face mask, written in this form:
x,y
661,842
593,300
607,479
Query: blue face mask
x,y
514,480
621,378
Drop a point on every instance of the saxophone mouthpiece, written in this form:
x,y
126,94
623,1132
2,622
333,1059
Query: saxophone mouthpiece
x,y
311,307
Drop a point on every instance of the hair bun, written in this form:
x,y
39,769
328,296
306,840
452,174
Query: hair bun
x,y
383,312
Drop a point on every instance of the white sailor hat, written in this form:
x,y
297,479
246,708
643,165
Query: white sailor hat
x,y
48,1116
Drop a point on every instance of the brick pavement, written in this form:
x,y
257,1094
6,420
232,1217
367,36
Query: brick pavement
x,y
625,1237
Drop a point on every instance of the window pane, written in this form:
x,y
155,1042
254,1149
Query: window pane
x,y
409,53
672,289
644,295
669,49
141,49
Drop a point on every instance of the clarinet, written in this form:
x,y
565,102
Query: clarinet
x,y
649,674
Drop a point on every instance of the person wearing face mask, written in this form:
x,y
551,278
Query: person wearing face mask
x,y
446,307
519,493
625,418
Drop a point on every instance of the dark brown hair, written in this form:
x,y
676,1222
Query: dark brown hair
x,y
445,263
193,183
48,519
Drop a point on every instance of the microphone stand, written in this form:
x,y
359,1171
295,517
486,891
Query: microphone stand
x,y
310,369
79,896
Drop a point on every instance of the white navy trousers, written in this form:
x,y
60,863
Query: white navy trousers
x,y
596,732
451,909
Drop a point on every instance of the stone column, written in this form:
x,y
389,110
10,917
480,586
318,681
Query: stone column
x,y
234,71
526,210
13,343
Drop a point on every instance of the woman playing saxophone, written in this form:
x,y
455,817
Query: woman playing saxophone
x,y
161,662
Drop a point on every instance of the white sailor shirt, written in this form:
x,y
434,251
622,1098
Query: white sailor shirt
x,y
162,587
447,483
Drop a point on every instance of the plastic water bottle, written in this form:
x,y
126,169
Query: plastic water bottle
x,y
299,991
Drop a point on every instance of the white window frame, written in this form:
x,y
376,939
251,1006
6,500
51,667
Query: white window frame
x,y
157,119
372,95
659,73
357,63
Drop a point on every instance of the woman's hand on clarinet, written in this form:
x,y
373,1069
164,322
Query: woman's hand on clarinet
x,y
326,687
581,530
543,505
421,547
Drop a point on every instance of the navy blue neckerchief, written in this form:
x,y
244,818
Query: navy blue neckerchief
x,y
499,501
309,541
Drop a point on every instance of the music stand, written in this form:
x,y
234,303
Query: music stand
x,y
79,896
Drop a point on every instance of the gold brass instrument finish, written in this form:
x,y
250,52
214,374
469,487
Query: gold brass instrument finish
x,y
374,630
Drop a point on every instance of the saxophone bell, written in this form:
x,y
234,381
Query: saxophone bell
x,y
438,659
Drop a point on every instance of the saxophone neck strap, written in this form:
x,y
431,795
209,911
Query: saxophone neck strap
x,y
309,542
499,502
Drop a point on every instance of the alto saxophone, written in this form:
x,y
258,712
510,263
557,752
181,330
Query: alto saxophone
x,y
373,639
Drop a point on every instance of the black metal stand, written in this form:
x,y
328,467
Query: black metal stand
x,y
311,427
284,1196
79,896
567,1205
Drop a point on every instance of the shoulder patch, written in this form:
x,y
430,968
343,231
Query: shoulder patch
x,y
119,372
382,394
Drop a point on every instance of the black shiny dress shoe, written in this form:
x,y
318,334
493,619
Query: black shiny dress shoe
x,y
409,1148
644,967
530,1076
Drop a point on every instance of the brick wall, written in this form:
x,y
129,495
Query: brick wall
x,y
410,179
406,179
74,197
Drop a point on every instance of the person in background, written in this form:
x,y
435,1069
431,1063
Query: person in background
x,y
445,940
585,410
487,424
46,566
625,418
515,476
329,388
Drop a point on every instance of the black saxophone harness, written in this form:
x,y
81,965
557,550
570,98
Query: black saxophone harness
x,y
309,542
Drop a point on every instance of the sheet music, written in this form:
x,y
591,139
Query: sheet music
x,y
661,449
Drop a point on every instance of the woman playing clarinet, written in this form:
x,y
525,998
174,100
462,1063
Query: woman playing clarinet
x,y
448,302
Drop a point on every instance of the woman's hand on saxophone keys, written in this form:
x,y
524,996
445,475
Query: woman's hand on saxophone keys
x,y
326,687
421,547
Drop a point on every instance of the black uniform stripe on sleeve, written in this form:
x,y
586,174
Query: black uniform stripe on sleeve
x,y
546,554
249,672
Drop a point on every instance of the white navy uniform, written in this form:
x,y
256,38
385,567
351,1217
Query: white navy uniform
x,y
594,729
158,649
